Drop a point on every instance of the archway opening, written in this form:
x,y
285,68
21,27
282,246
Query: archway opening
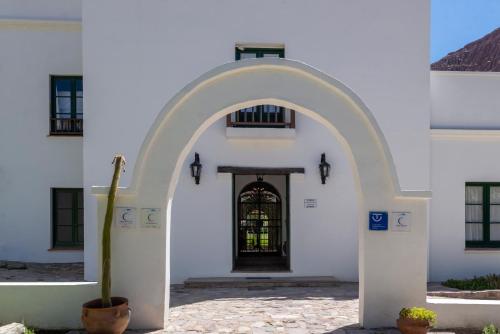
x,y
387,281
246,233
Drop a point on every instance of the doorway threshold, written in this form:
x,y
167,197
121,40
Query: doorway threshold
x,y
261,270
245,282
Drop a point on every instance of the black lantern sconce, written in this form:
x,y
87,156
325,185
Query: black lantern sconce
x,y
196,168
324,169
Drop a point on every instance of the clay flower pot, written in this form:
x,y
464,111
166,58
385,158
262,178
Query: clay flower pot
x,y
108,320
413,326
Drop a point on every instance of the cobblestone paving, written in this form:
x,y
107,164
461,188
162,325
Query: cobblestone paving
x,y
293,310
273,310
325,310
277,310
41,272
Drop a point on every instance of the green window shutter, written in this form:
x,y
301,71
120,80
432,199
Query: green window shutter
x,y
482,214
67,217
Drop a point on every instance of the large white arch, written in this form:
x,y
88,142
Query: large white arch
x,y
392,265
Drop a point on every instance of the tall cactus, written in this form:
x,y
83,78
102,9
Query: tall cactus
x,y
119,162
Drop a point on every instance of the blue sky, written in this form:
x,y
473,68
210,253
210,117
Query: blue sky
x,y
455,23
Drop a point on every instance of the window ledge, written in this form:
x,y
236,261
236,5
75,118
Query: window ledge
x,y
260,133
77,135
65,249
481,249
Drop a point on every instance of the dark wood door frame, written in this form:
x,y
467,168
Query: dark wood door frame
x,y
260,170
235,171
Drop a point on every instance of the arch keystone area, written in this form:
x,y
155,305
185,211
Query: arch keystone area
x,y
392,265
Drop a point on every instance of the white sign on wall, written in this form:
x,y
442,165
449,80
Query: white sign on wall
x,y
401,221
125,217
310,203
150,217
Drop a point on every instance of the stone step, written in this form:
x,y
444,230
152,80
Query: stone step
x,y
260,281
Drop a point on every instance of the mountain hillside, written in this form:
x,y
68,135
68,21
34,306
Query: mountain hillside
x,y
481,55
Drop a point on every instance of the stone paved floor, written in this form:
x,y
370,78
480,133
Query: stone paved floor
x,y
239,310
278,310
274,310
294,310
41,272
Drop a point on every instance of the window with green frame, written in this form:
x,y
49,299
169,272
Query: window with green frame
x,y
66,105
245,53
482,214
67,217
261,115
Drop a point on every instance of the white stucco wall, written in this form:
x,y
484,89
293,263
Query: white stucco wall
x,y
388,280
41,9
324,241
459,157
163,45
465,100
32,162
154,48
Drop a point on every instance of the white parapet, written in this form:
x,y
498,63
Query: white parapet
x,y
47,305
464,313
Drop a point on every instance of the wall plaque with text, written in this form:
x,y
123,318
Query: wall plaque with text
x,y
150,217
125,217
310,203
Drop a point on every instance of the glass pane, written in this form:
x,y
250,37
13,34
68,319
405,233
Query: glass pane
x,y
495,232
473,213
79,195
79,105
64,217
63,107
80,217
249,110
79,87
64,234
64,199
495,195
270,108
474,195
495,213
80,233
272,55
246,55
473,232
63,87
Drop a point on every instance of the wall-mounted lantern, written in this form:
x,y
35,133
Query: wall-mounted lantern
x,y
324,168
196,168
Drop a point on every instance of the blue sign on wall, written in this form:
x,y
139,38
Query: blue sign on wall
x,y
378,220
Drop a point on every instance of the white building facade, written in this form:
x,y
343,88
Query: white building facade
x,y
80,82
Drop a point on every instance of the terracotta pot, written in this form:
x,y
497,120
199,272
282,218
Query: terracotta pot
x,y
108,320
413,326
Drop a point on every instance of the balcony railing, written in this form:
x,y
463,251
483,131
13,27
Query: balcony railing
x,y
262,116
66,126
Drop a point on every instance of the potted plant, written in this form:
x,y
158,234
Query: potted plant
x,y
416,320
107,315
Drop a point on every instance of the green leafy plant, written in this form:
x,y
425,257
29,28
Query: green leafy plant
x,y
490,329
419,313
488,282
119,162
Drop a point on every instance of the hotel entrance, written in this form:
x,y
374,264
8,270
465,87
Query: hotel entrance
x,y
261,223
